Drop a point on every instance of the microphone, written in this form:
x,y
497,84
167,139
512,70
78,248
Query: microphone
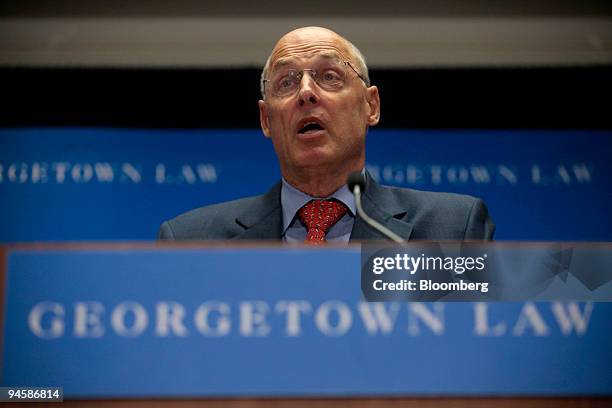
x,y
356,184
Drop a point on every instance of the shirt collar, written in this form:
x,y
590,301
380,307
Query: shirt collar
x,y
293,199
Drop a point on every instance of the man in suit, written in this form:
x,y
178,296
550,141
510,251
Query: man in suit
x,y
317,104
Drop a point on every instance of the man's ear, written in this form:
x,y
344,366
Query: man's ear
x,y
263,118
373,100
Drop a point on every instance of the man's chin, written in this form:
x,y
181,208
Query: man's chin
x,y
315,157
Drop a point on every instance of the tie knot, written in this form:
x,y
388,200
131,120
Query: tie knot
x,y
319,216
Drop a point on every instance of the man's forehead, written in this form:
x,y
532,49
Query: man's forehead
x,y
307,43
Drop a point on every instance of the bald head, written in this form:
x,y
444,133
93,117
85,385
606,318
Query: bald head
x,y
300,39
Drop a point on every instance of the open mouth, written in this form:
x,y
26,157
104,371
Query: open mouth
x,y
310,127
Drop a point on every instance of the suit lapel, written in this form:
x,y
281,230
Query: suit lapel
x,y
263,218
381,205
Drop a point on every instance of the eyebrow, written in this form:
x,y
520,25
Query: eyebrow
x,y
283,62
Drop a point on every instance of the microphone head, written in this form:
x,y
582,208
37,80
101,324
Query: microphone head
x,y
356,179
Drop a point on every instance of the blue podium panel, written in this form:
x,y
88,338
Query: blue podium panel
x,y
185,322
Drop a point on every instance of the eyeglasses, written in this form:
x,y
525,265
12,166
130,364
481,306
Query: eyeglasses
x,y
330,75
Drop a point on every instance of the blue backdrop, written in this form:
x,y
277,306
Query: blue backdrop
x,y
119,184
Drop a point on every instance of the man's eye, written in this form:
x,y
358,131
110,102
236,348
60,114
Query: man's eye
x,y
331,76
285,82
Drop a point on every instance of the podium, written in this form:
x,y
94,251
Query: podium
x,y
268,325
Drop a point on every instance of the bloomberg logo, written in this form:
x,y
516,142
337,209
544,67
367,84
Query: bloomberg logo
x,y
333,318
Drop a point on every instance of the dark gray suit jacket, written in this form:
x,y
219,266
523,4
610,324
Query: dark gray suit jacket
x,y
412,214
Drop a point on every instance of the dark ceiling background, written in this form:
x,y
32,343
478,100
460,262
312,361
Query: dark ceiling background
x,y
576,97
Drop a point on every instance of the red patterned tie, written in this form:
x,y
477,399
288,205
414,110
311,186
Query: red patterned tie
x,y
319,216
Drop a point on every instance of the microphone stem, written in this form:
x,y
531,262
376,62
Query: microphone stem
x,y
373,223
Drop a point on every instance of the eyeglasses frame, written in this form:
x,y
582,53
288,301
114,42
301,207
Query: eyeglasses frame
x,y
312,70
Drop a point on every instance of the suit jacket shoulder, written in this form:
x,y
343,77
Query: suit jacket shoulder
x,y
229,220
431,215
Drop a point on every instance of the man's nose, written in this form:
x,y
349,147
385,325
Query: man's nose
x,y
308,89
